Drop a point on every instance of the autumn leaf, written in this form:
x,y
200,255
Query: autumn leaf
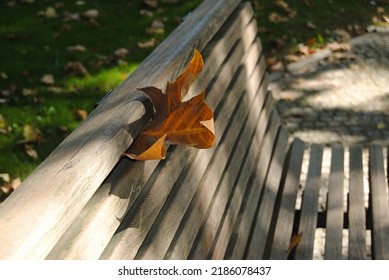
x,y
188,123
31,134
295,241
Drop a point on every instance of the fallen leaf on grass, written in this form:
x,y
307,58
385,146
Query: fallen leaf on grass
x,y
6,185
147,44
71,16
81,114
47,79
175,122
285,6
144,12
76,48
294,241
50,12
31,134
157,27
311,25
76,68
121,53
277,18
90,14
151,3
31,152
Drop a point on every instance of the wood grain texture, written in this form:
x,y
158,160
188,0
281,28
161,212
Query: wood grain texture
x,y
379,201
260,232
284,226
309,208
214,217
334,221
356,207
253,178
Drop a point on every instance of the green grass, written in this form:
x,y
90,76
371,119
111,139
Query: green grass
x,y
353,16
32,45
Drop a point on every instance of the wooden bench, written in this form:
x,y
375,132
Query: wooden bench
x,y
245,198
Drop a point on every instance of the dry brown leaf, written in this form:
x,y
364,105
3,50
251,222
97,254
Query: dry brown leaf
x,y
31,134
151,3
294,241
71,16
29,92
121,53
144,12
5,177
81,114
277,18
157,27
147,44
76,68
76,48
48,79
50,12
311,25
31,152
175,122
90,14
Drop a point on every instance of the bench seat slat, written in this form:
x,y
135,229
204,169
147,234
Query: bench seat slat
x,y
334,219
227,198
284,226
356,211
260,232
253,177
379,200
309,207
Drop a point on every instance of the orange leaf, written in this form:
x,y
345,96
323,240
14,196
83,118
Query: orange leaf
x,y
295,241
188,123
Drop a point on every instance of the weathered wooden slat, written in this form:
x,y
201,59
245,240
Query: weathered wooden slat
x,y
219,200
309,208
284,226
356,207
260,232
35,217
133,237
379,204
253,176
334,221
108,206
